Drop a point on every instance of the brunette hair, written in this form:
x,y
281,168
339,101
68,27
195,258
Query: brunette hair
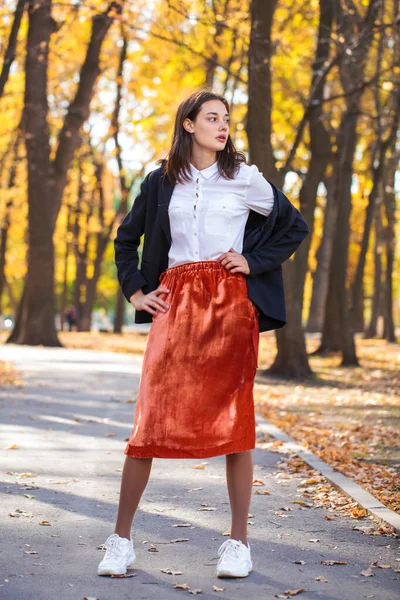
x,y
176,165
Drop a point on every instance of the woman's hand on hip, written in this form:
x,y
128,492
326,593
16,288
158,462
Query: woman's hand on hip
x,y
150,302
234,262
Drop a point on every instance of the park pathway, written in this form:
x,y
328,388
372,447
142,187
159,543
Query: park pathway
x,y
63,433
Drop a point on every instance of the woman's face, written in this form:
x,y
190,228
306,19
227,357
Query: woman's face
x,y
210,129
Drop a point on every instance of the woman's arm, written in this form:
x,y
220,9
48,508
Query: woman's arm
x,y
127,242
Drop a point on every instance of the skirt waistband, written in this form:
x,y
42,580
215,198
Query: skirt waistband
x,y
209,265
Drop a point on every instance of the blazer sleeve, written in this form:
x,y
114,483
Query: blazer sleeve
x,y
126,244
280,246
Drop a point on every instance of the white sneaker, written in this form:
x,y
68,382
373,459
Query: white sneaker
x,y
120,554
235,559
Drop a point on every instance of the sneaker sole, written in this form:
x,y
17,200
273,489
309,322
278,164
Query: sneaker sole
x,y
114,571
228,573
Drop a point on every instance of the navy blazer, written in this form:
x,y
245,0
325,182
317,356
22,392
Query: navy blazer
x,y
268,242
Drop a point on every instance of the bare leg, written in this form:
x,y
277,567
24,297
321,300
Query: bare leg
x,y
239,476
135,475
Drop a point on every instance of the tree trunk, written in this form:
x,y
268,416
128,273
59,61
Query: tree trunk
x,y
37,316
291,360
119,312
357,35
389,198
81,255
64,293
7,218
87,307
376,301
35,322
324,258
258,122
9,55
291,340
337,332
3,249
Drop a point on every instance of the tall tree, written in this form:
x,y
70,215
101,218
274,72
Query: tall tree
x,y
387,124
291,359
47,177
12,44
357,33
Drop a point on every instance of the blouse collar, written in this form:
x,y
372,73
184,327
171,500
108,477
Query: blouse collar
x,y
207,173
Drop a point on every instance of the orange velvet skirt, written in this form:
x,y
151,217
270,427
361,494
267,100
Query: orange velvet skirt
x,y
196,388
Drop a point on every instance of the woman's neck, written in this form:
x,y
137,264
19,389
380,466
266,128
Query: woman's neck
x,y
202,160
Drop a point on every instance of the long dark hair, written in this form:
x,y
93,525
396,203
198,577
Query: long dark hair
x,y
176,165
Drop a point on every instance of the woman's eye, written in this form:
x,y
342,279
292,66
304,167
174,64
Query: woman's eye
x,y
227,122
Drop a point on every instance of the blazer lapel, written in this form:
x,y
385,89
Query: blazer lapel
x,y
165,190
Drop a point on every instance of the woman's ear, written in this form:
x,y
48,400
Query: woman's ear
x,y
188,125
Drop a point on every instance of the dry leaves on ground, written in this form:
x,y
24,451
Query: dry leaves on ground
x,y
8,375
348,417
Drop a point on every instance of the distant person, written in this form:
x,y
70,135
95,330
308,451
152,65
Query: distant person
x,y
71,315
215,235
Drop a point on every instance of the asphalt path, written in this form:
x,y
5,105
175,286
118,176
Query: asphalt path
x,y
63,432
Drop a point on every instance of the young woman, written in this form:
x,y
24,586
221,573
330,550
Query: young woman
x,y
215,235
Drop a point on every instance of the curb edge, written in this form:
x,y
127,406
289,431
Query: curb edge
x,y
340,481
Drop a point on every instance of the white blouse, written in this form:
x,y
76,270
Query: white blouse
x,y
208,214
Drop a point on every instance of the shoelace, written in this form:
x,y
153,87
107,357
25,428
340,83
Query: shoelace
x,y
230,548
113,549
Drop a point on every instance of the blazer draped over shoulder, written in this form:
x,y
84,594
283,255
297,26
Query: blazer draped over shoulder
x,y
268,242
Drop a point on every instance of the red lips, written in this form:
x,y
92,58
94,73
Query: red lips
x,y
222,138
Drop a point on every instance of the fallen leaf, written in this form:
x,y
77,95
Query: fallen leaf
x,y
258,482
198,467
179,540
44,522
13,447
198,591
321,578
293,592
125,575
299,562
311,481
384,566
31,552
169,572
262,492
302,503
207,508
218,589
358,513
367,572
20,513
314,540
181,586
330,563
